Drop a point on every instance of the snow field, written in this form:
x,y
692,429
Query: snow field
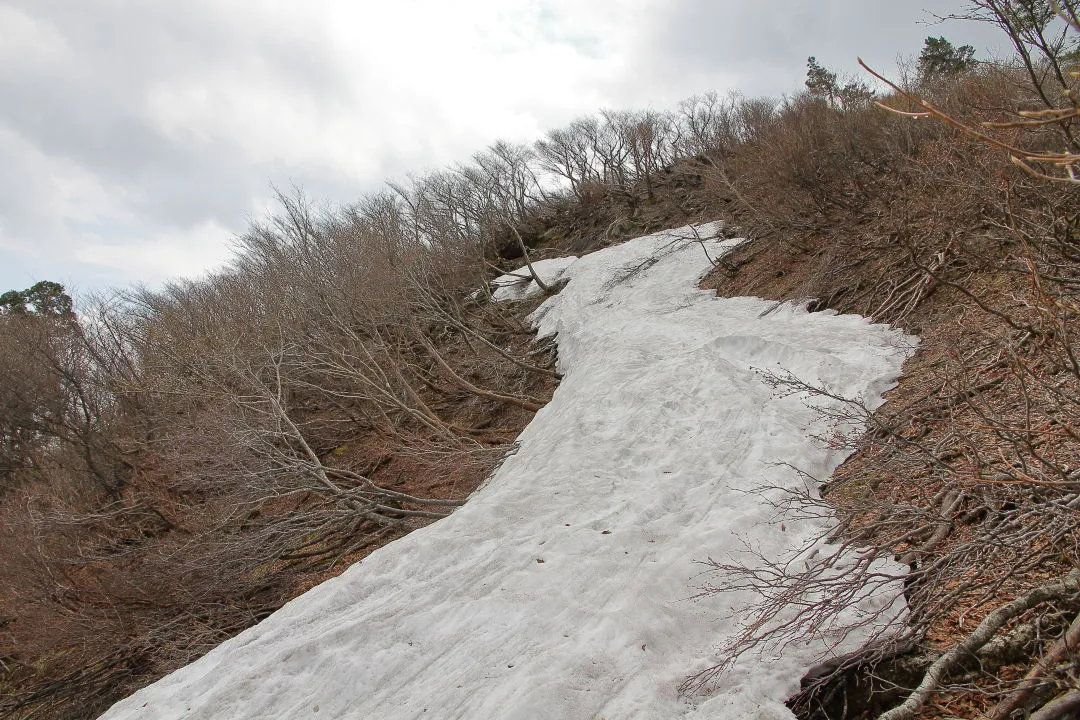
x,y
562,589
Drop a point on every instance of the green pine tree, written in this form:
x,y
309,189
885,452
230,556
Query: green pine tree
x,y
940,58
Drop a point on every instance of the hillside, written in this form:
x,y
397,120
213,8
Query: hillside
x,y
178,464
564,586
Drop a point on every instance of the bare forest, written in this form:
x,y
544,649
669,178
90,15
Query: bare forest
x,y
177,463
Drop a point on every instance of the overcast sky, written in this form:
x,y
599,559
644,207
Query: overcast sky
x,y
138,136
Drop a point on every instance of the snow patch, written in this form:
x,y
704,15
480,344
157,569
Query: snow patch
x,y
561,589
520,285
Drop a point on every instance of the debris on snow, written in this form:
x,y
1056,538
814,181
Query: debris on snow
x,y
520,285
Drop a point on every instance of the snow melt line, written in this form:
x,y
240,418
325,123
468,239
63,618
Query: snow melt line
x,y
560,589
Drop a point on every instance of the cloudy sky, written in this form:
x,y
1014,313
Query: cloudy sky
x,y
138,136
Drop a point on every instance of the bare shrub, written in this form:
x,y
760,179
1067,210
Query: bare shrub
x,y
969,477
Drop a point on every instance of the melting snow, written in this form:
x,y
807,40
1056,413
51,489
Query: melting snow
x,y
561,589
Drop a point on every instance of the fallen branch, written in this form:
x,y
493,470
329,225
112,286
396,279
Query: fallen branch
x,y
982,635
1060,650
1065,706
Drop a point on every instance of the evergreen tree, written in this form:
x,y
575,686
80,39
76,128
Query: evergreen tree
x,y
940,58
820,81
824,83
43,298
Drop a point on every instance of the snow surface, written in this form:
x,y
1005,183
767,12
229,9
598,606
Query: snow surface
x,y
520,285
562,588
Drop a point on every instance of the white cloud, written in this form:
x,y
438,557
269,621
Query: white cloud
x,y
186,253
27,41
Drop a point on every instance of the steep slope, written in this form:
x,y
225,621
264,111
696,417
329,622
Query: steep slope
x,y
563,588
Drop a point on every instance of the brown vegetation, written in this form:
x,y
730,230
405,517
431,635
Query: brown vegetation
x,y
955,219
179,463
